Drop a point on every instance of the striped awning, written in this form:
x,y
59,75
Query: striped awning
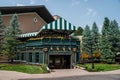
x,y
28,34
59,24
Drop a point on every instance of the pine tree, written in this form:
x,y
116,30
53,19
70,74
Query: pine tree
x,y
105,43
11,38
119,40
95,37
114,37
86,40
78,32
2,32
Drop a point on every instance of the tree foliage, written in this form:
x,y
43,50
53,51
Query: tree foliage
x,y
105,43
86,40
78,32
95,37
11,38
110,39
114,36
2,31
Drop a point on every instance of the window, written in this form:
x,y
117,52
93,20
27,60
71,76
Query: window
x,y
22,56
37,57
30,57
35,20
17,58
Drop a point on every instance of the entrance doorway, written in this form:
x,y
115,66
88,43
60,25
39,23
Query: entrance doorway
x,y
60,61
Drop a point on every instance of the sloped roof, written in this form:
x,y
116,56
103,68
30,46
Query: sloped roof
x,y
39,9
59,24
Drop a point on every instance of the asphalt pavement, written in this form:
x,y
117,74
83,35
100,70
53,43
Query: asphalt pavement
x,y
62,74
85,77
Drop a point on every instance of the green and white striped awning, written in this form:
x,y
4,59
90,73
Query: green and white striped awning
x,y
28,35
59,24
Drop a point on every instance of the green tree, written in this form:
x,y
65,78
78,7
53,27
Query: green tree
x,y
114,37
119,40
2,32
95,38
78,32
105,43
9,48
86,40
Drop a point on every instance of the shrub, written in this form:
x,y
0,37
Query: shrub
x,y
44,68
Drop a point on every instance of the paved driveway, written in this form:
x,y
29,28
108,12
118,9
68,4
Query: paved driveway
x,y
59,74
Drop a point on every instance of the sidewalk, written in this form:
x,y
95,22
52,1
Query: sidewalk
x,y
12,75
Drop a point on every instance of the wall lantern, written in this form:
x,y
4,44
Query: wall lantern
x,y
74,49
51,48
63,48
45,49
69,48
57,48
33,48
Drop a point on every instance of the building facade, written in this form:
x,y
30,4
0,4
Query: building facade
x,y
45,39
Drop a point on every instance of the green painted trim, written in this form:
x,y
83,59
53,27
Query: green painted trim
x,y
60,23
69,26
41,57
51,25
74,27
19,56
65,24
46,27
27,56
33,57
24,56
56,25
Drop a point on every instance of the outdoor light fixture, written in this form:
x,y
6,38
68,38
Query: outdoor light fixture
x,y
51,48
74,49
57,48
45,49
63,48
91,51
33,47
69,48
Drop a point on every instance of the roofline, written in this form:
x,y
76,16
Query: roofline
x,y
41,10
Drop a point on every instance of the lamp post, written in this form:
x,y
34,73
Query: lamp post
x,y
91,48
45,54
74,50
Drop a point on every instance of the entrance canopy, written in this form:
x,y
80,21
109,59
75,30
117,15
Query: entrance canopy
x,y
60,25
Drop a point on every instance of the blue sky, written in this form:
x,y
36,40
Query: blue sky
x,y
78,12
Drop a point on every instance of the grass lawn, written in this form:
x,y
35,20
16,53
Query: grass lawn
x,y
31,69
101,67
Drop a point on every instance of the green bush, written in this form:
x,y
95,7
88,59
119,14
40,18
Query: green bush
x,y
101,67
31,69
44,68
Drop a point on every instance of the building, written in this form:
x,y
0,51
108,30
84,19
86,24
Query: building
x,y
45,39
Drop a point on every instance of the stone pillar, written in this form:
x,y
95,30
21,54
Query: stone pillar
x,y
45,52
27,56
33,57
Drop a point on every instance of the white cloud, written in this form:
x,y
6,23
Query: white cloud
x,y
91,12
75,2
32,1
18,4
